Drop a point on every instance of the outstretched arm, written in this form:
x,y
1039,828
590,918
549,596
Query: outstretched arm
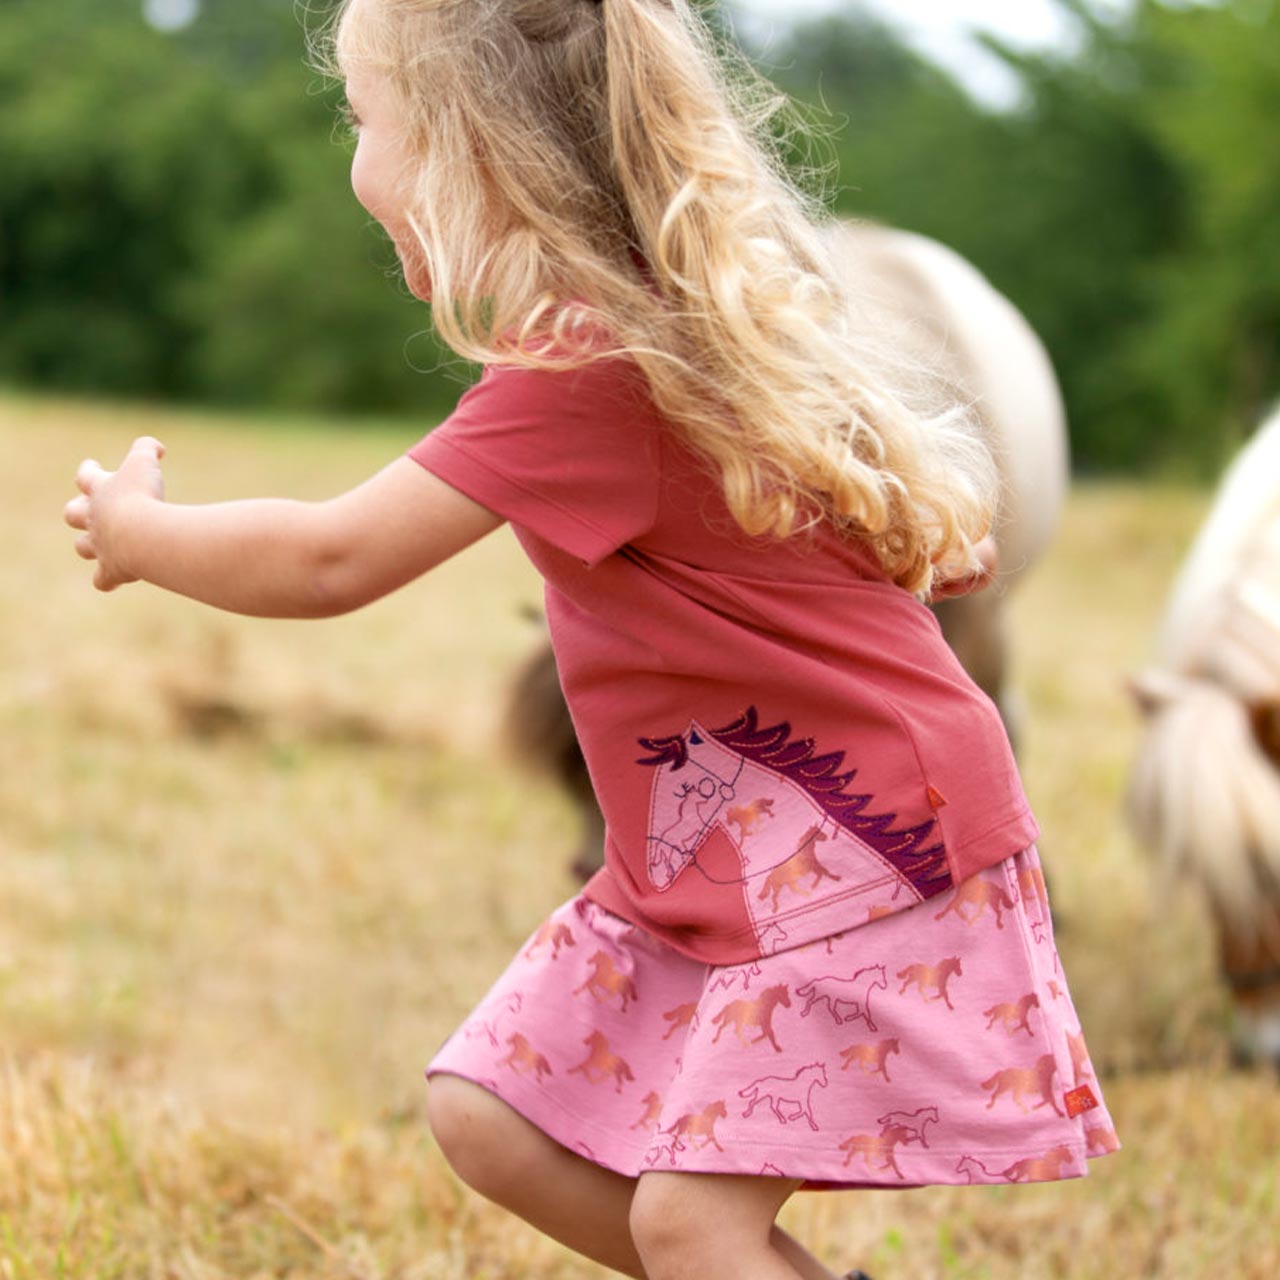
x,y
270,557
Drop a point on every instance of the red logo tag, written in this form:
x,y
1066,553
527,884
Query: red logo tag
x,y
1080,1100
936,798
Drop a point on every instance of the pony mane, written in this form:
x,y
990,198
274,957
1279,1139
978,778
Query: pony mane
x,y
1206,800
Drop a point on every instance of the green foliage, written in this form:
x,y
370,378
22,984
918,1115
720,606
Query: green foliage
x,y
1213,348
176,220
1124,205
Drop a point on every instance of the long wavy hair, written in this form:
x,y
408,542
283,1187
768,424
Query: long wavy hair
x,y
602,167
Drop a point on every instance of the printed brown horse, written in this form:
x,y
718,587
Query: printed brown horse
x,y
602,1064
524,1058
880,1146
1045,1168
757,1014
607,981
652,1113
1013,1017
696,1125
748,817
553,933
683,1015
932,975
979,894
791,873
873,1058
1021,1082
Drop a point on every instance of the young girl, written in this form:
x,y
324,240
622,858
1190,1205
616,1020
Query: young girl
x,y
819,953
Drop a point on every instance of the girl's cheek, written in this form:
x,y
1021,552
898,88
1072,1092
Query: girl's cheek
x,y
413,264
361,186
416,274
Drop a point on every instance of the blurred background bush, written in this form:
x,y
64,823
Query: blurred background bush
x,y
176,222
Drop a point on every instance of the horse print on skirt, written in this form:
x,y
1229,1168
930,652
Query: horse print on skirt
x,y
935,1045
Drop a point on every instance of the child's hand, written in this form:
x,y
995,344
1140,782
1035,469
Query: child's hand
x,y
989,557
103,507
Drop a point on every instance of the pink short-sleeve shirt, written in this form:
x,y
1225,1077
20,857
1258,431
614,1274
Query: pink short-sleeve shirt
x,y
781,742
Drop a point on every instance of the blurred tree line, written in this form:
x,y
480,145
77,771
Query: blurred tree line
x,y
176,220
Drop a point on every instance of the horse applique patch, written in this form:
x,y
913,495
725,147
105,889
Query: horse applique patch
x,y
755,806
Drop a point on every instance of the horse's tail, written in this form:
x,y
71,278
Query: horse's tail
x,y
538,733
1203,795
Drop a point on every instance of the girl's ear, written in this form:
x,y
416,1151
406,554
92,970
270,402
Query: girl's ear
x,y
1265,718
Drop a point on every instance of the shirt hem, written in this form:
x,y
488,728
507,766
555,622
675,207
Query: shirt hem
x,y
722,949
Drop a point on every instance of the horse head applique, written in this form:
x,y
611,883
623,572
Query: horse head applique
x,y
788,812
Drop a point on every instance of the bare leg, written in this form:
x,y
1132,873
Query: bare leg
x,y
510,1161
498,1153
698,1226
802,1261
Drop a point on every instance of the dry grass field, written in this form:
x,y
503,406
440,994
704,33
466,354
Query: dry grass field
x,y
252,872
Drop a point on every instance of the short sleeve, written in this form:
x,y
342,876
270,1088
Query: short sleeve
x,y
570,455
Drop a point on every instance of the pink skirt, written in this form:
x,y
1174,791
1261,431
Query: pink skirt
x,y
936,1045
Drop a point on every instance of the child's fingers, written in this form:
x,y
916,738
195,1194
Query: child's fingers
x,y
76,513
988,555
88,474
84,547
956,587
147,446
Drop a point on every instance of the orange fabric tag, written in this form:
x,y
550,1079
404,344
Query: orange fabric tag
x,y
1080,1100
936,798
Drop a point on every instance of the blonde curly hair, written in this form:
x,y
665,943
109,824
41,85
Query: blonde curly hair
x,y
589,167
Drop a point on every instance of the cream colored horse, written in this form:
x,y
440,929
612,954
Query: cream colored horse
x,y
950,335
1205,788
927,302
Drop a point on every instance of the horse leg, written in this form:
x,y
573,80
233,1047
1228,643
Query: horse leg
x,y
1251,966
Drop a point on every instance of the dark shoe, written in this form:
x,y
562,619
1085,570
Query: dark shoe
x,y
857,1275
